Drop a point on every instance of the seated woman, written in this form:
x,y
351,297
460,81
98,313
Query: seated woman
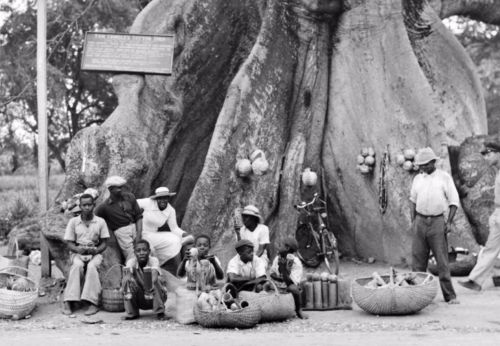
x,y
210,269
253,229
160,229
245,270
286,272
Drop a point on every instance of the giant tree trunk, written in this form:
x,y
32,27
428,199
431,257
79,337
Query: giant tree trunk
x,y
309,82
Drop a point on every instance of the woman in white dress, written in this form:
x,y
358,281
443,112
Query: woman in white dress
x,y
160,228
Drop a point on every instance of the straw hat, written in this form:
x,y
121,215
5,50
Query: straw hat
x,y
252,211
424,156
161,192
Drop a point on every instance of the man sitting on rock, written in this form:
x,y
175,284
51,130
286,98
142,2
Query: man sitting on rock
x,y
122,214
86,236
139,294
245,270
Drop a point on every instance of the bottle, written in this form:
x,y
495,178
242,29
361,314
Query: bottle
x,y
324,290
318,299
148,283
332,291
308,287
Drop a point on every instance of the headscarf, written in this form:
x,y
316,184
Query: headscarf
x,y
115,181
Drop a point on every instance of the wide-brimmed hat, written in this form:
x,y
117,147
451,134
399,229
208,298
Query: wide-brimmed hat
x,y
162,192
490,147
252,211
424,155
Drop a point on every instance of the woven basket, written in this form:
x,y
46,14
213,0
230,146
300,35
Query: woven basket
x,y
185,301
112,297
459,268
394,300
275,306
16,303
244,318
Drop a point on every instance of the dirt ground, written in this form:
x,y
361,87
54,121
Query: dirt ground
x,y
476,320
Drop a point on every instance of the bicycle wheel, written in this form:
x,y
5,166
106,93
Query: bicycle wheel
x,y
308,250
332,252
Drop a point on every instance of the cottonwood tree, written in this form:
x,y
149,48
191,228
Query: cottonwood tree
x,y
309,82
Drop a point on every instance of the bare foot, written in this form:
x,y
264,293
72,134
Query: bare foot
x,y
93,309
453,301
302,315
67,308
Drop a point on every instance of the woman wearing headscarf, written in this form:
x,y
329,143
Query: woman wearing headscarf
x,y
160,228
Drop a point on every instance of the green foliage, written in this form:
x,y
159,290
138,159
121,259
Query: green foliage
x,y
76,99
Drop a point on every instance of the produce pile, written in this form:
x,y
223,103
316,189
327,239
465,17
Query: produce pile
x,y
218,301
20,284
366,160
396,280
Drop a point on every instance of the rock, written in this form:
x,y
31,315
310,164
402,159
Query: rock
x,y
371,260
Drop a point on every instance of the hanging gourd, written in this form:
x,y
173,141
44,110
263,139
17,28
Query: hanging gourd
x,y
309,178
364,152
409,154
364,169
360,159
260,166
408,166
257,154
244,167
371,151
369,160
400,159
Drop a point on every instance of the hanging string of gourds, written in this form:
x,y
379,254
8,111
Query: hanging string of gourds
x,y
382,190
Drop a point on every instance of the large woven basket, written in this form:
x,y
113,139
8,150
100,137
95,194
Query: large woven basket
x,y
275,306
459,268
16,303
244,318
394,300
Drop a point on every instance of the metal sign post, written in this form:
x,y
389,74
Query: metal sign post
x,y
43,156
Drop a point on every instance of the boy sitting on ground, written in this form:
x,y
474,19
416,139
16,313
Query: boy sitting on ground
x,y
245,270
286,272
135,286
86,236
211,269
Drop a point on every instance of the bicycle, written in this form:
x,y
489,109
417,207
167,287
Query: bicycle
x,y
316,243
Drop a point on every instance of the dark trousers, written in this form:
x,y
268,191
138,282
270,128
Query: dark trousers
x,y
428,234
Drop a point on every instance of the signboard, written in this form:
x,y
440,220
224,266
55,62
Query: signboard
x,y
112,52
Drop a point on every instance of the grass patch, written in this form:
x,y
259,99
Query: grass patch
x,y
19,199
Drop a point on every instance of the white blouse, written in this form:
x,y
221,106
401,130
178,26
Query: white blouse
x,y
153,217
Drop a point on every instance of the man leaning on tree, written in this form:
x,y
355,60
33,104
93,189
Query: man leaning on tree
x,y
122,214
432,193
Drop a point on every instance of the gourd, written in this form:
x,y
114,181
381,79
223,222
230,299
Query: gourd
x,y
257,154
193,252
371,152
244,167
309,178
360,159
416,167
400,159
364,169
369,160
260,166
409,154
408,166
364,152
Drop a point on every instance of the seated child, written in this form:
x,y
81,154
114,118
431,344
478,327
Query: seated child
x,y
245,270
286,272
205,264
134,285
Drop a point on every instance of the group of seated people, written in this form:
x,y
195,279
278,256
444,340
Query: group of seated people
x,y
151,241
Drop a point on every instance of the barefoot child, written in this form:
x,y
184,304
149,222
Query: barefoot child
x,y
286,272
210,270
135,284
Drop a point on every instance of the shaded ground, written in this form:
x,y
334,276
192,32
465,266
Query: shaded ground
x,y
476,320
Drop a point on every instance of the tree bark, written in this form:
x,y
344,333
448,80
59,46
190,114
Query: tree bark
x,y
309,82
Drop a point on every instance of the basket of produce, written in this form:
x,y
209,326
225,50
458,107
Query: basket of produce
x,y
275,306
395,294
223,309
458,268
18,293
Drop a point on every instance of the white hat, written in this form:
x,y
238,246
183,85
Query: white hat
x,y
252,211
162,191
424,156
115,181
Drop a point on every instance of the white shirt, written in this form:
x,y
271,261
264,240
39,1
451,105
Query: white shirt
x,y
433,193
153,217
258,237
295,270
250,270
497,190
153,263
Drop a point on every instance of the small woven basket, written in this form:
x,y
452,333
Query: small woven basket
x,y
459,268
244,318
394,300
16,303
275,306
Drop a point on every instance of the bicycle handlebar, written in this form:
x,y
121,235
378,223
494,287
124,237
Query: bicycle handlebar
x,y
304,205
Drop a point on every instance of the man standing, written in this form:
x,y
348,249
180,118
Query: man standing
x,y
486,261
432,192
122,214
86,236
